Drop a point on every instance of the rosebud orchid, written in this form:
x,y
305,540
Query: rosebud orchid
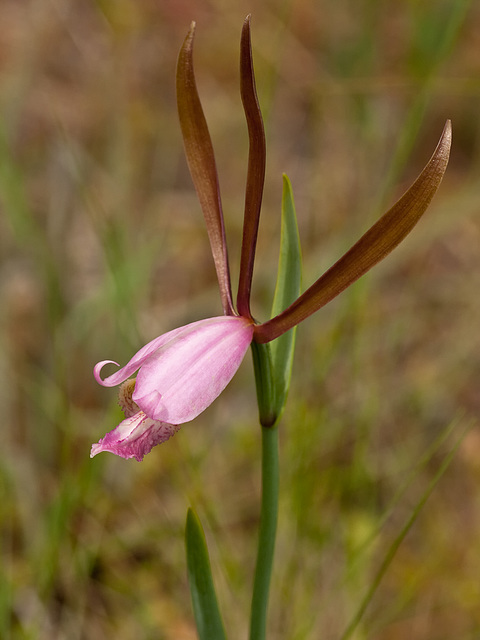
x,y
182,372
179,375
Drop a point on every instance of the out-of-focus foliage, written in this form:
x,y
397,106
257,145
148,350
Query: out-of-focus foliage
x,y
103,246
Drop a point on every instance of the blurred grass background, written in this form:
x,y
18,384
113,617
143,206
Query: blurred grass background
x,y
103,247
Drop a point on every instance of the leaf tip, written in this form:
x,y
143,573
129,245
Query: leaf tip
x,y
448,127
436,167
188,44
445,142
286,181
189,520
446,136
246,29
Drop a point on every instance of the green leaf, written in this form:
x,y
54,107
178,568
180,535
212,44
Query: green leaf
x,y
287,290
204,600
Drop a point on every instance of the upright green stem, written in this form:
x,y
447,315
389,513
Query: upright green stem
x,y
268,529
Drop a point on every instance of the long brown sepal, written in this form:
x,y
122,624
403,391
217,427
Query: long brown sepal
x,y
256,170
201,162
372,247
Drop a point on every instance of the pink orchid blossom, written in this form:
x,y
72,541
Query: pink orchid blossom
x,y
182,372
179,375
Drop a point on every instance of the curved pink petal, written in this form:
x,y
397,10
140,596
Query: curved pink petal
x,y
184,376
138,359
135,437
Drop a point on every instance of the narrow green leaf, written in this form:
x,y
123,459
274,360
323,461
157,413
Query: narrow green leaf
x,y
372,247
287,290
272,362
202,590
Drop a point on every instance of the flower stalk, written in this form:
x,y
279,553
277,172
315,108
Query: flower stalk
x,y
267,534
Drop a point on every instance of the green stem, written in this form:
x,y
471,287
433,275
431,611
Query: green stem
x,y
268,529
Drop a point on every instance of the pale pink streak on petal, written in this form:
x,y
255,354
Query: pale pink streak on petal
x,y
135,437
182,378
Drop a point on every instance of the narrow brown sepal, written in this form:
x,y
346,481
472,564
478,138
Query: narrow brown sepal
x,y
201,162
256,170
372,247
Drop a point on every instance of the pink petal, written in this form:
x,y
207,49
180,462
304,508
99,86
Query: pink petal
x,y
135,437
183,377
136,362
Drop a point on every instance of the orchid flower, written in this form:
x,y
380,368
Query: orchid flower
x,y
179,375
183,371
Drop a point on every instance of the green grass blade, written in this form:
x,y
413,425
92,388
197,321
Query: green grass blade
x,y
400,538
204,600
287,290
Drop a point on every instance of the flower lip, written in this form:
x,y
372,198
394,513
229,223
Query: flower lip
x,y
134,437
